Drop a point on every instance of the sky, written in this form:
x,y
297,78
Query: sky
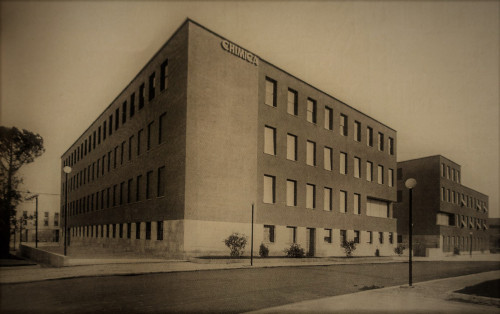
x,y
428,69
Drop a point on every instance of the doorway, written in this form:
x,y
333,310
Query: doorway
x,y
311,236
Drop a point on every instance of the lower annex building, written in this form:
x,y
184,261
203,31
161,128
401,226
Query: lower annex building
x,y
448,217
206,129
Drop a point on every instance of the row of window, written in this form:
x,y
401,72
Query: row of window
x,y
45,219
270,235
121,231
127,109
464,243
311,160
134,190
374,207
312,113
464,200
450,173
460,221
126,150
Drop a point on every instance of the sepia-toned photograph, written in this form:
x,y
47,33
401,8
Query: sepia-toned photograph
x,y
250,156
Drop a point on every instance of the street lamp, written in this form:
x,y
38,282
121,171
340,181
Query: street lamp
x,y
410,184
470,243
36,216
66,170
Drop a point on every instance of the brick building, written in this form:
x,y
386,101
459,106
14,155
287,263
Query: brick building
x,y
446,214
206,129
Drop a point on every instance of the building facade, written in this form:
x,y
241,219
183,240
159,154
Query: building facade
x,y
448,217
49,221
494,225
207,130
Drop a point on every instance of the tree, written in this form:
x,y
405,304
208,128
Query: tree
x,y
349,247
236,243
17,148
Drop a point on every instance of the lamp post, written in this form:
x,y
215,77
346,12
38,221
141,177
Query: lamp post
x,y
470,243
410,184
66,170
36,217
251,242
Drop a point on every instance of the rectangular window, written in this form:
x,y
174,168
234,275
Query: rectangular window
x,y
369,171
269,189
148,230
114,231
120,230
343,236
164,75
327,199
443,172
159,230
376,208
130,140
269,140
137,230
132,105
129,190
443,194
270,92
381,237
448,172
328,236
380,141
56,219
115,157
310,196
292,231
390,177
139,137
391,146
311,110
292,105
138,193
370,237
343,201
110,125
357,167
108,197
115,194
356,236
141,96
343,163
357,203
122,152
369,136
122,192
117,118
380,177
311,153
291,147
343,125
328,118
150,133
124,112
391,237
291,193
149,184
152,86
99,135
327,158
268,234
161,128
161,181
357,131
93,139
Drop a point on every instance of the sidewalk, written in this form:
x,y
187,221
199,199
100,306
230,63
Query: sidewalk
x,y
435,296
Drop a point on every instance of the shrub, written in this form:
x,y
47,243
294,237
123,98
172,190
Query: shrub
x,y
399,249
349,247
377,253
456,250
263,250
236,243
294,251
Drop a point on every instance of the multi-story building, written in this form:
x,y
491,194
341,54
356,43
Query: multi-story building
x,y
49,222
208,129
447,216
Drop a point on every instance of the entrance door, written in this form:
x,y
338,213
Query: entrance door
x,y
311,236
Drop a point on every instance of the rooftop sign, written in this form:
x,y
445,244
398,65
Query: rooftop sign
x,y
239,52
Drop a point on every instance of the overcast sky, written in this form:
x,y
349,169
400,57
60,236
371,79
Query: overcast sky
x,y
428,69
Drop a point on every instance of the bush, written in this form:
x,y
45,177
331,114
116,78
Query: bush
x,y
399,249
349,247
377,253
236,243
294,251
456,250
263,250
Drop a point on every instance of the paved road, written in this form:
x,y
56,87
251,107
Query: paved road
x,y
218,291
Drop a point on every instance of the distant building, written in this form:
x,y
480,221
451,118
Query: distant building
x,y
447,215
49,220
206,129
494,224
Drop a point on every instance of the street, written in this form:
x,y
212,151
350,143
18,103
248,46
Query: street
x,y
233,291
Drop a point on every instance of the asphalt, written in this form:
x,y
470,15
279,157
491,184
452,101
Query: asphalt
x,y
436,296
